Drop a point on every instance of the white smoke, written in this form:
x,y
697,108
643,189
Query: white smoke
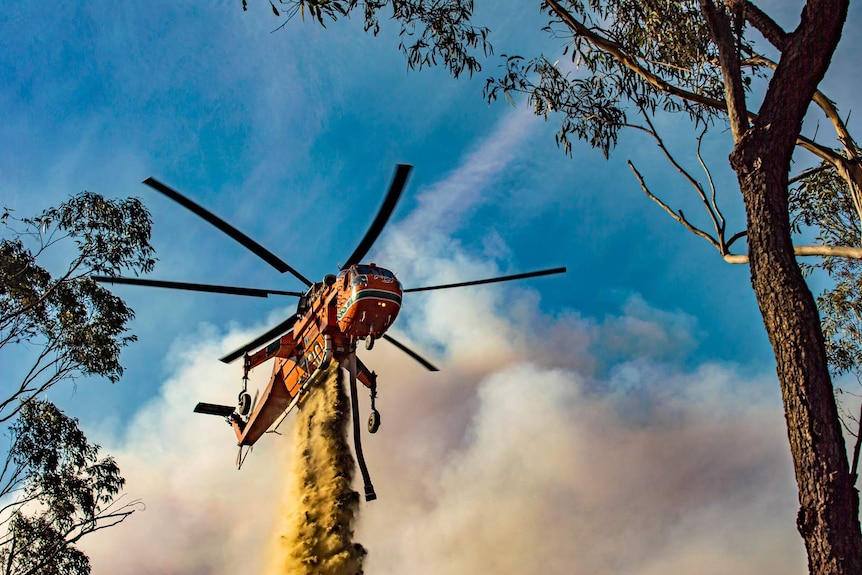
x,y
535,464
547,477
202,515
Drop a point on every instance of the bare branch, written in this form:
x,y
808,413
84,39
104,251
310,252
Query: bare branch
x,y
736,236
715,211
680,217
808,251
711,207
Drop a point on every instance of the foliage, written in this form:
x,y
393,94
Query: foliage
x,y
54,488
431,33
654,54
822,201
650,54
76,326
59,490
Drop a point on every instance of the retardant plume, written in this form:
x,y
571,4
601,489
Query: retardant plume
x,y
320,508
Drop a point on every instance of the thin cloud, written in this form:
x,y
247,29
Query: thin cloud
x,y
443,206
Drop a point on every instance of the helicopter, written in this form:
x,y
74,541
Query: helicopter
x,y
358,304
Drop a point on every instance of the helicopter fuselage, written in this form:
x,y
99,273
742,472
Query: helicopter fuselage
x,y
358,304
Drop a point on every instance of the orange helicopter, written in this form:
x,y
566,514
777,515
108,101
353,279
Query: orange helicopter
x,y
360,303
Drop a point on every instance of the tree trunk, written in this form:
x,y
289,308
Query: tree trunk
x,y
828,515
828,518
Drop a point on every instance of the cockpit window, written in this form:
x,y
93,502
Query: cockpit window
x,y
367,270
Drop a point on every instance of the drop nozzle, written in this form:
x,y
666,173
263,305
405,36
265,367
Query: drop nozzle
x,y
369,492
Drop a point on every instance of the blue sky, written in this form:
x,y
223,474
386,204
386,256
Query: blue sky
x,y
292,136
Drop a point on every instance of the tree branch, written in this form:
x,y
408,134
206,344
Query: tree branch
x,y
806,173
848,166
711,206
728,57
614,49
680,217
736,236
807,251
721,223
764,24
630,62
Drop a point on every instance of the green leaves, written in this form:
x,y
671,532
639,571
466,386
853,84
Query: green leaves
x,y
653,54
62,468
588,107
822,202
110,234
79,326
55,486
39,548
62,489
432,33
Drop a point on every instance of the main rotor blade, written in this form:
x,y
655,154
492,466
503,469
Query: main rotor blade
x,y
246,241
410,352
232,290
395,189
278,330
492,280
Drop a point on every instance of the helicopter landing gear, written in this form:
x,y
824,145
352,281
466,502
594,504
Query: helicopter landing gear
x,y
357,431
373,421
244,406
374,416
369,342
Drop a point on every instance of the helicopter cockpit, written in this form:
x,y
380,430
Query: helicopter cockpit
x,y
360,273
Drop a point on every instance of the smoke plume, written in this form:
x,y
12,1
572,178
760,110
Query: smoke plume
x,y
320,508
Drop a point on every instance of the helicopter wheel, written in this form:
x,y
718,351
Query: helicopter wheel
x,y
244,403
374,421
369,342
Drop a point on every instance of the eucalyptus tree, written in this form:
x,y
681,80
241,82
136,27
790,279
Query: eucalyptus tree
x,y
58,325
58,321
58,490
634,60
